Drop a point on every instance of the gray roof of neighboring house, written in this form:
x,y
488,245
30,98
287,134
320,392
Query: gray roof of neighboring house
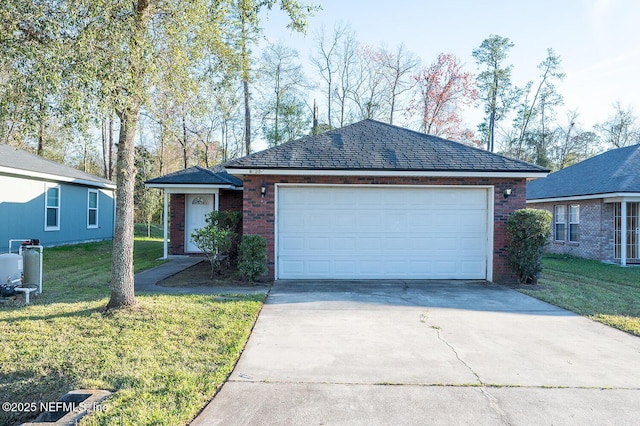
x,y
28,164
197,175
614,171
372,145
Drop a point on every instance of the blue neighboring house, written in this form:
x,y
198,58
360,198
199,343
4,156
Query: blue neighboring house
x,y
57,204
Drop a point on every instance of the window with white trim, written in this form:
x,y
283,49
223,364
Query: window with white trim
x,y
574,223
92,208
559,222
52,208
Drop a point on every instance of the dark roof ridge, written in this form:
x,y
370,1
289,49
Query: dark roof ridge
x,y
441,139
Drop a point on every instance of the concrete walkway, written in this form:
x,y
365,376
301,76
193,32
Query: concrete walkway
x,y
146,281
438,353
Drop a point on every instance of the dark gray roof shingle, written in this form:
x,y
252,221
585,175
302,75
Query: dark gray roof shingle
x,y
372,145
198,175
614,171
24,161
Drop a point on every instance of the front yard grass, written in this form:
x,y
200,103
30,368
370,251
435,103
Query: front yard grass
x,y
163,360
609,294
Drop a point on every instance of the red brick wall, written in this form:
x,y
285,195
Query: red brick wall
x,y
230,200
596,230
176,223
259,213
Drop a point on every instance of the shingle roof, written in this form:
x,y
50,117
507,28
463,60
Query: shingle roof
x,y
372,145
198,175
614,171
26,163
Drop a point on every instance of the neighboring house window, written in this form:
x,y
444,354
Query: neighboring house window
x,y
574,223
52,208
92,209
559,223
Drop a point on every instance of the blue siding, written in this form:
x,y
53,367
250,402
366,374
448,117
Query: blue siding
x,y
22,212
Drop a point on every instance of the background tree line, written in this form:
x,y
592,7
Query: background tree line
x,y
246,91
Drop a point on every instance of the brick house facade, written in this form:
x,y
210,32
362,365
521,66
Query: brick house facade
x,y
259,213
600,199
596,230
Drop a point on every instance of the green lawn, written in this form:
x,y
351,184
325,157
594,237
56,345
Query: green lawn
x,y
606,293
163,359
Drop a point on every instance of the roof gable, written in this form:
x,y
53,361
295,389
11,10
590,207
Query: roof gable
x,y
614,171
375,146
19,162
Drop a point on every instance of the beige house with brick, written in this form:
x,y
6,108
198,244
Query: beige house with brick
x,y
366,201
595,206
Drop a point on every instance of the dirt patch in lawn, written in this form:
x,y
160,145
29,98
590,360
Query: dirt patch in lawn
x,y
199,275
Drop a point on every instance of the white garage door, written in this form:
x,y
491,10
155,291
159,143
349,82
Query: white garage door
x,y
349,232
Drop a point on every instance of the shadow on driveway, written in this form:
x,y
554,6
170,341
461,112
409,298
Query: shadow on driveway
x,y
454,294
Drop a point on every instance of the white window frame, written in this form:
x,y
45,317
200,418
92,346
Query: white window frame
x,y
559,219
47,207
89,208
573,222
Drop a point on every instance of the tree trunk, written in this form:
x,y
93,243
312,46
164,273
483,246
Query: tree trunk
x,y
122,288
245,84
247,117
105,170
40,151
110,169
184,140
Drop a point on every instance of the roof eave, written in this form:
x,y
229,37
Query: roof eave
x,y
401,173
608,197
192,185
56,178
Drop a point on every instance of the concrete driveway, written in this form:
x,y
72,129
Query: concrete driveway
x,y
411,352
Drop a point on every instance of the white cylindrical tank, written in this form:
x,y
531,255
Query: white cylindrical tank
x,y
11,267
31,263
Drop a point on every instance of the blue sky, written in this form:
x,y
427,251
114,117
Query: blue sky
x,y
598,40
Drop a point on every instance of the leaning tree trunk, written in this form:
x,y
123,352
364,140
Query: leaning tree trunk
x,y
122,292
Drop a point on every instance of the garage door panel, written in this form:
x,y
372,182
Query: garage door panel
x,y
419,221
319,267
395,223
344,244
368,221
292,267
473,243
344,222
371,244
381,232
291,244
319,244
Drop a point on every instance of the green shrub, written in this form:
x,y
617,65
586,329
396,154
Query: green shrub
x,y
216,240
252,260
529,231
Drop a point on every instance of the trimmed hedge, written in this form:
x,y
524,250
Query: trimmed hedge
x,y
529,231
252,259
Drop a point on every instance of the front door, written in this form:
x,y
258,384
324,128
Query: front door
x,y
198,206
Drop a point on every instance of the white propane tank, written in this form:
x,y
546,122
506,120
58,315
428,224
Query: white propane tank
x,y
10,267
31,258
